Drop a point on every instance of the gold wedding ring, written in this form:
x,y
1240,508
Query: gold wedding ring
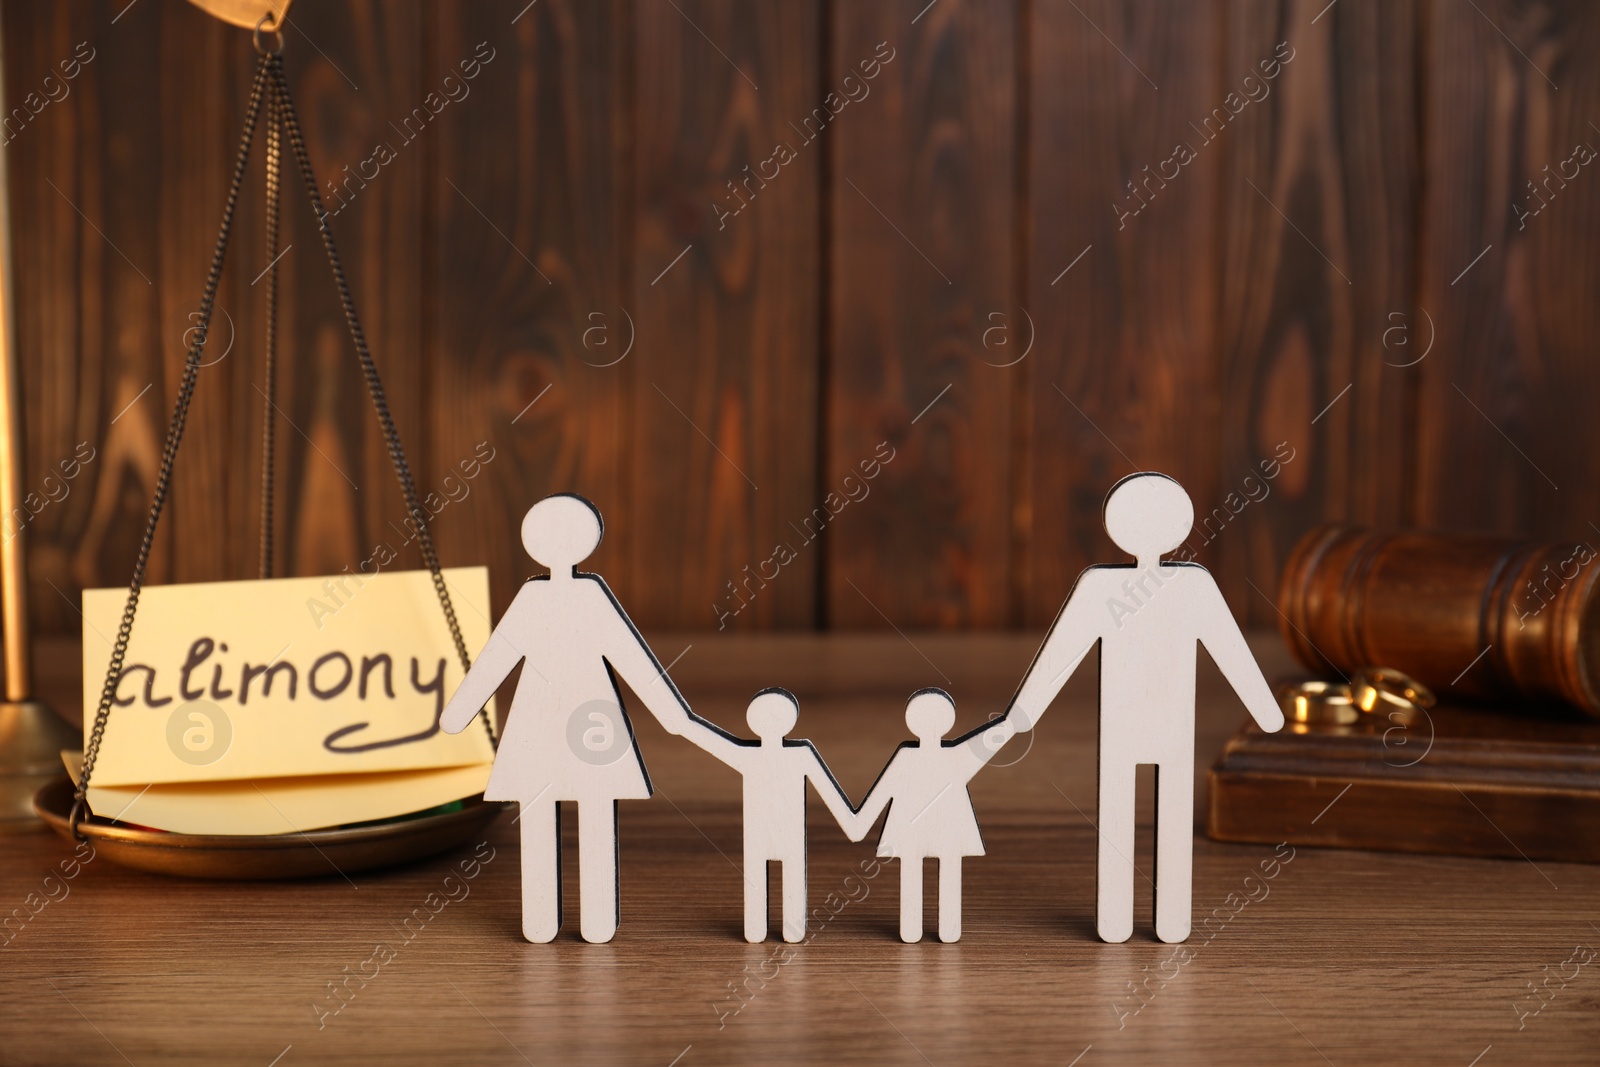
x,y
1311,704
1381,690
1376,696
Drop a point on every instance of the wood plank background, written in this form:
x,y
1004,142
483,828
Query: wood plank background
x,y
846,315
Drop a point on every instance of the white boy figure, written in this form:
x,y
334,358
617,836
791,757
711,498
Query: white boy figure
x,y
567,736
775,773
924,786
1147,617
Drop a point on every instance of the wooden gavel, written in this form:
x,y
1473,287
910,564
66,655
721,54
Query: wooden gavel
x,y
1482,617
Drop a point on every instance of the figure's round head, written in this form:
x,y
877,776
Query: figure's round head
x,y
560,531
930,713
772,714
1148,515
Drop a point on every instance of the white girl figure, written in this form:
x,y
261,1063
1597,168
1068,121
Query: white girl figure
x,y
567,737
775,770
924,786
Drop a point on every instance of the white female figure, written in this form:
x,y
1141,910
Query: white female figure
x,y
924,786
567,737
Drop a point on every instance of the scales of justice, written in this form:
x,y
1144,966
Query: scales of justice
x,y
33,791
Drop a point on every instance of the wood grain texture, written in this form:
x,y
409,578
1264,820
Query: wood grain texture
x,y
1125,375
724,452
533,348
925,334
167,971
203,533
142,213
353,70
1505,438
1472,782
1318,282
527,234
89,349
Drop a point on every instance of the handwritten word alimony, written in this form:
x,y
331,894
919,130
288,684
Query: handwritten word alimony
x,y
329,677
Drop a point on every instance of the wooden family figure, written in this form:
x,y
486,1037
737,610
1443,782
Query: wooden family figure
x,y
924,789
567,737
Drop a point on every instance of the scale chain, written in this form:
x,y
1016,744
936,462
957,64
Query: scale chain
x,y
269,419
169,452
270,86
391,436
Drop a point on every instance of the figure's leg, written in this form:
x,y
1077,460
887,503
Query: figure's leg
x,y
755,897
950,899
599,909
1174,848
1114,905
910,899
794,898
541,870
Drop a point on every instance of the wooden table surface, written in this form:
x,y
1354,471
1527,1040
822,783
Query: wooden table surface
x,y
1340,957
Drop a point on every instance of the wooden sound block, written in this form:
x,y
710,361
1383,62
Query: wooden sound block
x,y
1464,781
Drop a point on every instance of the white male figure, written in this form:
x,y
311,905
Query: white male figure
x,y
775,773
1147,618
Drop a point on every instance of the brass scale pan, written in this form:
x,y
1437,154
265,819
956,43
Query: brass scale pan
x,y
311,854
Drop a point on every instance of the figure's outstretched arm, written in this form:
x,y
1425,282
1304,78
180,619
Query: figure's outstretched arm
x,y
981,744
713,739
1071,636
624,648
1223,639
493,666
832,793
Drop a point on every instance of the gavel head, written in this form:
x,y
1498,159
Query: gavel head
x,y
929,714
1148,514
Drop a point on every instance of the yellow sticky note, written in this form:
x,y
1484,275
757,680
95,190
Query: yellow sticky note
x,y
285,805
336,682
